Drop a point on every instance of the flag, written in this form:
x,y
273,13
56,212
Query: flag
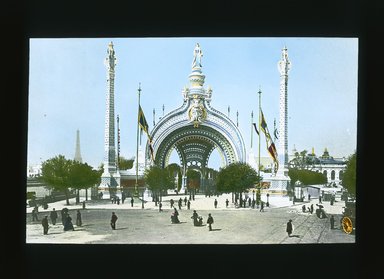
x,y
263,123
143,122
276,134
144,127
254,125
270,144
151,149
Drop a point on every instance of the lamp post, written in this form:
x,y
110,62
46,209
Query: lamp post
x,y
142,199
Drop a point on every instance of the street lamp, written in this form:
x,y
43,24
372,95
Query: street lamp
x,y
142,199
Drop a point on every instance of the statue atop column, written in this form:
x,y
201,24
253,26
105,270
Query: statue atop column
x,y
111,59
284,64
197,54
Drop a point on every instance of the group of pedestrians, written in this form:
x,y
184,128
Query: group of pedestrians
x,y
66,220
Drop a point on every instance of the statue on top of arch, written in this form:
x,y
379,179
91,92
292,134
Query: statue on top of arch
x,y
197,54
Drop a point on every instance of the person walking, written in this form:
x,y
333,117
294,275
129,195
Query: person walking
x,y
45,224
160,206
53,216
210,221
171,202
63,215
188,204
226,202
185,201
78,218
132,201
123,196
68,223
332,220
113,221
311,208
180,203
215,203
195,217
34,215
289,229
262,206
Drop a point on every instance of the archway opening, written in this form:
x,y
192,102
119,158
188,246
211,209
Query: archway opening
x,y
216,160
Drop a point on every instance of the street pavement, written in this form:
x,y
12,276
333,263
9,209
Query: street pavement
x,y
232,225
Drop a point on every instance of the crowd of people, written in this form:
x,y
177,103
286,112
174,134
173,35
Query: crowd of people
x,y
66,218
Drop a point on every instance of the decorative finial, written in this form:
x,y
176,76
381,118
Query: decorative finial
x,y
197,54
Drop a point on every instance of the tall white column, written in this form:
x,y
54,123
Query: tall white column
x,y
280,182
110,170
284,66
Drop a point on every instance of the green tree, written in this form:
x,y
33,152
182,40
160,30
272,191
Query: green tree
x,y
82,176
349,176
307,177
125,164
303,160
193,182
158,180
55,172
236,177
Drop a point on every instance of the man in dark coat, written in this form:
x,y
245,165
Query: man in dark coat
x,y
210,221
132,201
113,221
78,218
332,220
34,215
289,228
53,216
45,224
215,203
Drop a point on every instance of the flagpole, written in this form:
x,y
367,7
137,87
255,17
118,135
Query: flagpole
x,y
137,146
251,130
259,187
259,128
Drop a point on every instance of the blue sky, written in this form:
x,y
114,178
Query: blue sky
x,y
67,89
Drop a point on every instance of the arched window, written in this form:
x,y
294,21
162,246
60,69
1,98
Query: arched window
x,y
325,173
333,175
341,173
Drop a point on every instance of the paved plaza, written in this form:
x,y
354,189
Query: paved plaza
x,y
137,225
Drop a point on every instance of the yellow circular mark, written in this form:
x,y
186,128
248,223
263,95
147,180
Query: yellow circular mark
x,y
347,225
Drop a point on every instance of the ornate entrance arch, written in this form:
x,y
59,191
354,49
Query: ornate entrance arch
x,y
195,129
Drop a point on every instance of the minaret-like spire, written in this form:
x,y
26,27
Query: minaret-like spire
x,y
110,177
109,135
284,65
77,152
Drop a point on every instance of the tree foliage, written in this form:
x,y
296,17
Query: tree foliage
x,y
193,178
62,174
158,179
125,164
349,176
236,177
307,177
